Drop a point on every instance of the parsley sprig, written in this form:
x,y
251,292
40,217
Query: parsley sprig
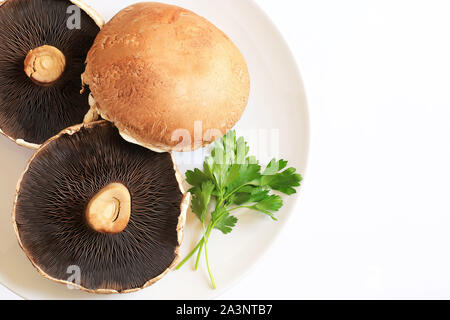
x,y
232,180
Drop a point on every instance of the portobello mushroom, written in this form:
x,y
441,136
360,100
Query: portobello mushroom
x,y
113,209
42,57
167,78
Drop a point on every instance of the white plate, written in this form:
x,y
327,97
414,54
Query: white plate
x,y
276,122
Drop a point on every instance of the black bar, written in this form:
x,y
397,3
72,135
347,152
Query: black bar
x,y
216,309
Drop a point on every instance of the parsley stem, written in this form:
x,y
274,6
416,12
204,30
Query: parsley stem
x,y
207,264
199,255
200,244
240,207
200,249
204,240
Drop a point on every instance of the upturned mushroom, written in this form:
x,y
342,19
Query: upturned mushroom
x,y
41,60
112,209
167,78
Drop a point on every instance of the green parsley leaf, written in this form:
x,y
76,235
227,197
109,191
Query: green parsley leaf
x,y
250,194
196,178
247,174
269,205
201,197
283,181
223,221
274,167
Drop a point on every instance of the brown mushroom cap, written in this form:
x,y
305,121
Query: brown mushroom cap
x,y
159,71
113,209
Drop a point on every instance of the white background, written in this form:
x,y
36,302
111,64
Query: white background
x,y
374,218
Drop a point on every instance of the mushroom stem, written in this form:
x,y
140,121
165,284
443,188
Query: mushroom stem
x,y
92,114
110,209
44,65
